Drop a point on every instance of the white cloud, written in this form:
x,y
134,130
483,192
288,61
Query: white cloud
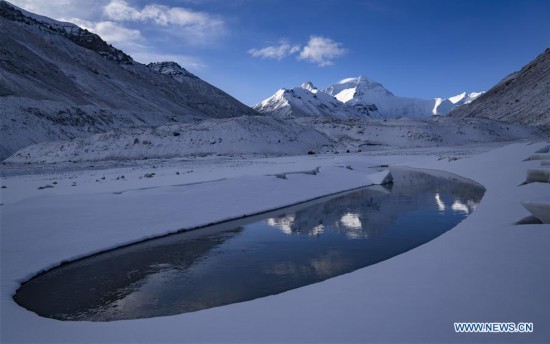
x,y
109,31
115,33
121,10
192,22
283,49
131,42
321,50
58,9
107,19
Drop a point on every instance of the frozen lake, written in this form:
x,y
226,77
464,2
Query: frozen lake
x,y
256,256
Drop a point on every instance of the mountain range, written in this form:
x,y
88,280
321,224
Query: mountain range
x,y
358,97
62,83
308,101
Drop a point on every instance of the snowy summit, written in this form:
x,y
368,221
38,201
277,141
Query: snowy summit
x,y
363,97
308,101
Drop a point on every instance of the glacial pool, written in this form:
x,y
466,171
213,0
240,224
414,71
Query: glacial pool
x,y
257,256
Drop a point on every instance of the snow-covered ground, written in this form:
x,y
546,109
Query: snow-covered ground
x,y
233,136
268,136
487,269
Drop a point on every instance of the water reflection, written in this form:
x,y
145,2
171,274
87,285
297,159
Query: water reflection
x,y
332,263
367,212
258,256
284,223
440,204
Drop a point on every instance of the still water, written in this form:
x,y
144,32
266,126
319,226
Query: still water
x,y
254,257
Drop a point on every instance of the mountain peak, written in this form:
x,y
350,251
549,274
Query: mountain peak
x,y
464,97
443,105
308,101
308,85
363,82
354,88
167,64
458,97
355,80
172,69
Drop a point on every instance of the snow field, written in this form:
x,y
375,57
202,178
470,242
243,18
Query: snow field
x,y
486,269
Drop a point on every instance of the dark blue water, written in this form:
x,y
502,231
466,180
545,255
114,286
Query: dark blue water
x,y
255,257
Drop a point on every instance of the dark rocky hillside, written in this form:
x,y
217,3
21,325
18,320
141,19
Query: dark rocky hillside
x,y
522,97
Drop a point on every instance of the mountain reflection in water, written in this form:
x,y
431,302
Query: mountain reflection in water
x,y
254,257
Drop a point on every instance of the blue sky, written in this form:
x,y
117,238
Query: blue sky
x,y
250,49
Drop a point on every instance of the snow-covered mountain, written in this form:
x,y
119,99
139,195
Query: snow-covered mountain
x,y
357,97
362,90
308,101
58,81
445,105
61,83
521,97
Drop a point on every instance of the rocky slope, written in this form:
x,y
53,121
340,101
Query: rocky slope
x,y
522,97
58,81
